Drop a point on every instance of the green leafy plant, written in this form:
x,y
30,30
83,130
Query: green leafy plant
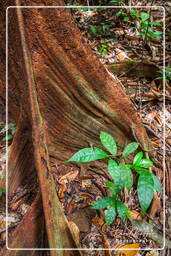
x,y
101,30
166,74
121,13
11,127
1,192
94,29
114,1
103,49
121,175
85,9
144,26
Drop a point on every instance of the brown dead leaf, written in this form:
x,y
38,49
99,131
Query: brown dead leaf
x,y
135,215
156,205
61,191
158,119
24,208
75,232
98,221
86,183
11,220
121,55
168,140
156,143
106,244
3,236
80,218
70,205
123,252
152,253
14,206
68,177
85,196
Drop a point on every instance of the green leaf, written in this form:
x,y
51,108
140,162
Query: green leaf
x,y
130,148
103,203
108,142
157,184
88,155
104,52
132,61
144,16
155,23
141,34
105,27
146,163
112,187
145,189
134,13
156,34
119,13
83,9
126,19
94,29
116,173
121,175
140,170
159,78
145,25
114,1
1,192
122,210
137,158
104,46
129,165
128,176
110,215
160,71
8,137
71,5
4,129
100,49
99,9
112,163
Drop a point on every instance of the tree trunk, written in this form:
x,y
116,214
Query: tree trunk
x,y
61,97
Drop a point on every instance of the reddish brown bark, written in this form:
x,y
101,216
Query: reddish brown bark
x,y
77,96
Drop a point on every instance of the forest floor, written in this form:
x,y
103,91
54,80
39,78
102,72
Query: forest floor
x,y
135,58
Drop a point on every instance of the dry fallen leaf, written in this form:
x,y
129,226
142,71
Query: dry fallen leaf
x,y
14,206
71,205
156,205
158,119
123,252
135,215
75,232
10,220
68,177
152,253
98,221
121,55
61,191
106,244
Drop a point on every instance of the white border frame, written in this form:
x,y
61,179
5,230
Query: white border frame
x,y
164,89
